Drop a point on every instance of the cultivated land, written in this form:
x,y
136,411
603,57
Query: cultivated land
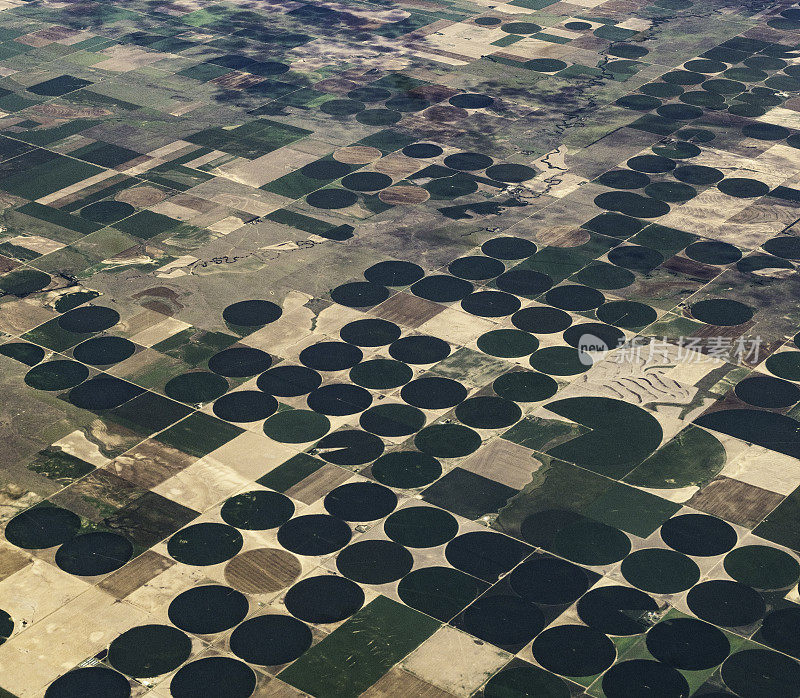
x,y
295,300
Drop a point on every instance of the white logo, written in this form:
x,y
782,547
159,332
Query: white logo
x,y
591,349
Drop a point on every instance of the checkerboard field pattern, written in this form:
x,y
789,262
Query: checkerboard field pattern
x,y
420,348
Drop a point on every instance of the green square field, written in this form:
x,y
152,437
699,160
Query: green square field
x,y
199,434
360,651
49,177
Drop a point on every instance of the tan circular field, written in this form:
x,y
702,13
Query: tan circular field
x,y
403,194
357,154
141,197
397,166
